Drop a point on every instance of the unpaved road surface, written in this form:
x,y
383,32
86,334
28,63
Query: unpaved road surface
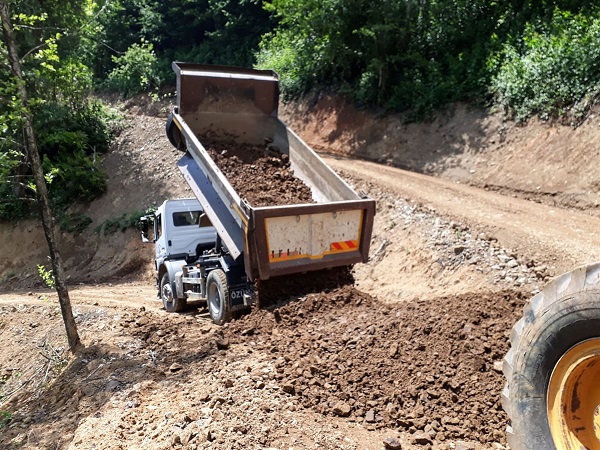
x,y
410,356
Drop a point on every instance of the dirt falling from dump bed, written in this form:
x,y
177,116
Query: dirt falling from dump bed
x,y
428,367
259,174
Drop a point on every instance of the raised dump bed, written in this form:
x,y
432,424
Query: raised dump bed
x,y
235,106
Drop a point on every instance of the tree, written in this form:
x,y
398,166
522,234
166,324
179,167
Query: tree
x,y
38,173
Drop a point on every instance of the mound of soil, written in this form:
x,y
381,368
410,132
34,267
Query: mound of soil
x,y
429,368
260,175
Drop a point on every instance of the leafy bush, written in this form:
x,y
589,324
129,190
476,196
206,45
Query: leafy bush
x,y
74,223
551,69
70,140
137,71
75,175
123,222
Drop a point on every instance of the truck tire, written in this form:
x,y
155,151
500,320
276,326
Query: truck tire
x,y
217,294
552,369
168,295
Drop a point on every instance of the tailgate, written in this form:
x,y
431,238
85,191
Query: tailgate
x,y
295,239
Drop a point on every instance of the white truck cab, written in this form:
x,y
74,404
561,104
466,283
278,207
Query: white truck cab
x,y
190,262
181,231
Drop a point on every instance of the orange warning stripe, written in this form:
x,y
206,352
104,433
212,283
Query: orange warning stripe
x,y
343,246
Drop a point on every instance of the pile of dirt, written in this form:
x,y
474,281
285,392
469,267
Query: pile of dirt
x,y
432,369
259,174
426,373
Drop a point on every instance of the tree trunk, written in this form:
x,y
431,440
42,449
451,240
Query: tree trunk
x,y
40,182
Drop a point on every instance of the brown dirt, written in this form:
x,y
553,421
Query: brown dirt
x,y
260,175
412,352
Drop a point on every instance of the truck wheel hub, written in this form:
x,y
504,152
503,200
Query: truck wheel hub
x,y
574,398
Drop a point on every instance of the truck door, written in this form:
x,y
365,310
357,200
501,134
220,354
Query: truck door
x,y
160,244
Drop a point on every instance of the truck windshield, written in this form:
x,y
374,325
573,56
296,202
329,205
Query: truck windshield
x,y
185,218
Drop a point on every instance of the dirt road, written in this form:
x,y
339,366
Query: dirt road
x,y
546,234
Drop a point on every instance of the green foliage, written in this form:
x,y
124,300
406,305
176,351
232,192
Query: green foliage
x,y
123,222
74,223
554,68
136,71
5,418
46,275
76,175
417,56
71,129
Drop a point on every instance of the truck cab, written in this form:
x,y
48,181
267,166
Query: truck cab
x,y
191,262
181,231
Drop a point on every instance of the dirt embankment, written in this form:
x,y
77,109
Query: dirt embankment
x,y
409,357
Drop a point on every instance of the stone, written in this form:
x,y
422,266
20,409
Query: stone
x,y
342,409
223,344
175,367
391,443
370,416
288,388
421,439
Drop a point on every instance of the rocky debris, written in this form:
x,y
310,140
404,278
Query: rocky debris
x,y
439,385
455,244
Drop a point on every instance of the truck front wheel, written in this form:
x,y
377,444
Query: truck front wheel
x,y
218,297
168,295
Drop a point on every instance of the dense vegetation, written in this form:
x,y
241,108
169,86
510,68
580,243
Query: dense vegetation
x,y
526,57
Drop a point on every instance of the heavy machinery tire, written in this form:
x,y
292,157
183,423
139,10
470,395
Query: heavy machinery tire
x,y
552,369
217,294
168,295
174,134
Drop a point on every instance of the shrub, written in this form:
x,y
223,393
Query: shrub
x,y
123,222
551,69
137,71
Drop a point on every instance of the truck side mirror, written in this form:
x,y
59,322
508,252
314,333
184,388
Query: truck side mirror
x,y
144,227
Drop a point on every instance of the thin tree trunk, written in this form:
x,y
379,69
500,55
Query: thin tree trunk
x,y
40,182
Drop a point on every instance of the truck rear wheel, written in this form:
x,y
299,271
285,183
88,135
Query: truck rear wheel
x,y
217,293
168,295
552,394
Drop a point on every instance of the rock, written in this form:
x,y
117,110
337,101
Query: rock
x,y
175,367
228,383
458,249
370,416
393,350
288,388
112,385
421,439
498,366
392,443
223,344
342,409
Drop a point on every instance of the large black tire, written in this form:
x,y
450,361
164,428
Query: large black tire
x,y
168,295
217,294
174,134
565,314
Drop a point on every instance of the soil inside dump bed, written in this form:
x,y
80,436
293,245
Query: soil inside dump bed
x,y
259,174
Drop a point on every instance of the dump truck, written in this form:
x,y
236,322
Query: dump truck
x,y
552,370
228,243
